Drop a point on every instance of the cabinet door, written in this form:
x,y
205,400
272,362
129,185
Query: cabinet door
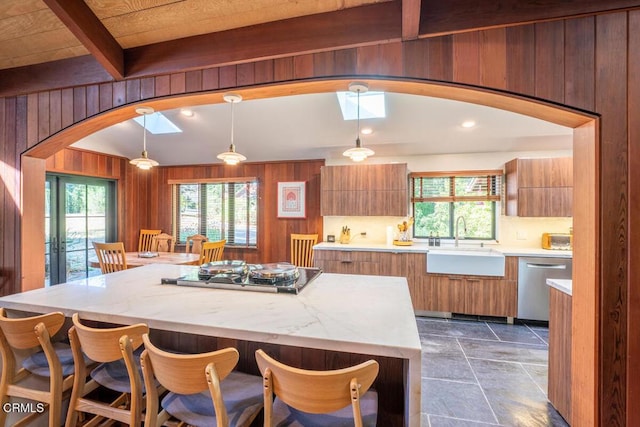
x,y
491,297
364,190
444,293
548,172
545,202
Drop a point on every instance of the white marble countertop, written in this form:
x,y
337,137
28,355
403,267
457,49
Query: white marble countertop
x,y
563,285
349,313
420,247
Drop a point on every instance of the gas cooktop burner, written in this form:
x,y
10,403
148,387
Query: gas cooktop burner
x,y
279,277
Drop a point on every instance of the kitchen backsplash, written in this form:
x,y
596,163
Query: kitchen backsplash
x,y
512,231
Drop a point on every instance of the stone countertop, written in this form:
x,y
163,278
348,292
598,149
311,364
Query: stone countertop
x,y
348,313
563,285
419,247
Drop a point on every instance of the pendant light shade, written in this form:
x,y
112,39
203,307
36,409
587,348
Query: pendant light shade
x,y
359,153
231,157
144,162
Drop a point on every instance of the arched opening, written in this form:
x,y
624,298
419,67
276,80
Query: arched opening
x,y
586,196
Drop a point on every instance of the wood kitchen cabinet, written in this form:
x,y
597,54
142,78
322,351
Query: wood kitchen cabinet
x,y
478,295
364,190
539,187
559,389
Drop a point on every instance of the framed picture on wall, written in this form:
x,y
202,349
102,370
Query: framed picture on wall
x,y
291,199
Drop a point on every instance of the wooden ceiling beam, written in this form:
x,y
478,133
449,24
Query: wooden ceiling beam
x,y
410,19
350,27
453,16
87,28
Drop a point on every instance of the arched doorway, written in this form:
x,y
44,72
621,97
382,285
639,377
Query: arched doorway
x,y
586,197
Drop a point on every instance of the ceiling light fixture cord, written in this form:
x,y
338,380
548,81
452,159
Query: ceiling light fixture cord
x,y
231,157
358,153
358,116
232,147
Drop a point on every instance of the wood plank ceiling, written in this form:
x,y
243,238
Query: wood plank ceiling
x,y
62,43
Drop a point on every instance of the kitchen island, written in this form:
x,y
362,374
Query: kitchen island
x,y
337,320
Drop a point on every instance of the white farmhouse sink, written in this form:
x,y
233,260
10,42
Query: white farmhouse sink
x,y
470,261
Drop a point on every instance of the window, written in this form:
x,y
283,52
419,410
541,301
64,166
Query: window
x,y
218,210
439,198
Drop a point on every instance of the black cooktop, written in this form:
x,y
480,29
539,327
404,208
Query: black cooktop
x,y
290,283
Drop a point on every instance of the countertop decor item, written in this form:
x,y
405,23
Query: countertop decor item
x,y
404,235
403,242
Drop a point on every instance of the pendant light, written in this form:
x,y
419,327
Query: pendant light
x,y
231,157
144,162
359,153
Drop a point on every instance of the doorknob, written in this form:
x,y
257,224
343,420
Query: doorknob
x,y
54,245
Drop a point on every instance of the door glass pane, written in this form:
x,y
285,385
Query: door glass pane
x,y
84,213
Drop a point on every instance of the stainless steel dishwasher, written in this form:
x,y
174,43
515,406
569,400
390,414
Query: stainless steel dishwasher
x,y
533,291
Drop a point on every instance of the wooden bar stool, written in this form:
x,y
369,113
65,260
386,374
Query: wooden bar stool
x,y
318,398
50,360
203,389
302,249
119,370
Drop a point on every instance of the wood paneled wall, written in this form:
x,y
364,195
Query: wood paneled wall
x,y
144,197
273,232
589,63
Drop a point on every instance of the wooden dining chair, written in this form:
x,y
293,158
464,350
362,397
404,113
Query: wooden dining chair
x,y
302,249
212,251
118,370
111,256
194,243
203,388
163,242
145,241
48,359
322,398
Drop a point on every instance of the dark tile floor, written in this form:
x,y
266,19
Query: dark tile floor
x,y
477,373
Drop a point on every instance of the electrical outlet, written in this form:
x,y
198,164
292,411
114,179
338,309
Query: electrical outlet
x,y
521,235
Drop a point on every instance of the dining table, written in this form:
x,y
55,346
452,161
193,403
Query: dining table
x,y
138,259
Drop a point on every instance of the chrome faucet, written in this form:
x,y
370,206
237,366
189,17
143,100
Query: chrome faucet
x,y
458,228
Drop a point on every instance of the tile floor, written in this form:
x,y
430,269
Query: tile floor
x,y
477,373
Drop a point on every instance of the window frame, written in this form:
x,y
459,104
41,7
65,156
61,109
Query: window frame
x,y
493,194
202,191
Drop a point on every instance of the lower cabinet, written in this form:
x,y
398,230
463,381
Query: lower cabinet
x,y
478,295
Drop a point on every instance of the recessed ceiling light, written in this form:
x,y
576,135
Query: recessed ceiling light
x,y
186,112
468,124
366,131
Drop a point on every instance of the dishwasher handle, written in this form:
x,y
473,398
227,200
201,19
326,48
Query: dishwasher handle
x,y
551,266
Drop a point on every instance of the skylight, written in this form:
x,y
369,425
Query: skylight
x,y
371,105
157,123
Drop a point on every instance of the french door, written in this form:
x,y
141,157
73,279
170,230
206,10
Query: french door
x,y
78,211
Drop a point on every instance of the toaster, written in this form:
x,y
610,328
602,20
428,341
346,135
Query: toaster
x,y
557,241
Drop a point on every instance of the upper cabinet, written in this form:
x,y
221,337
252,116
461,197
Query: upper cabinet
x,y
539,187
364,190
